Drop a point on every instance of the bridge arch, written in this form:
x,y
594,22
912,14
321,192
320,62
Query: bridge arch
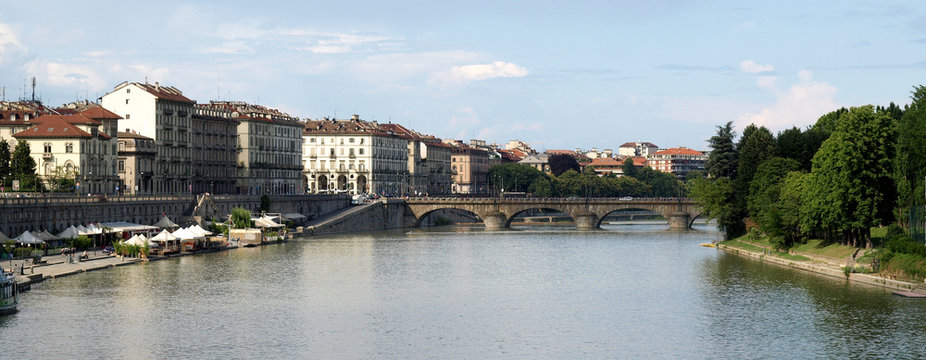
x,y
419,219
511,217
629,208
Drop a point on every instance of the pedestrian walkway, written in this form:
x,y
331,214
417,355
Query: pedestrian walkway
x,y
60,265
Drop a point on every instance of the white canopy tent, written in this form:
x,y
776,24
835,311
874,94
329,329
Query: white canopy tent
x,y
69,233
29,239
164,235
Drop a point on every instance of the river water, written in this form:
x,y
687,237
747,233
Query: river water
x,y
627,291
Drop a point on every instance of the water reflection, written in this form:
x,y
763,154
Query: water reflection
x,y
626,291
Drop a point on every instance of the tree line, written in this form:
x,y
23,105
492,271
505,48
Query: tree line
x,y
852,170
566,179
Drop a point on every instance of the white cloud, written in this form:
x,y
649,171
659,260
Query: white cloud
x,y
801,105
751,67
767,82
78,76
463,117
9,44
459,75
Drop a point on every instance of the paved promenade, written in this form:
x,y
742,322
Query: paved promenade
x,y
58,265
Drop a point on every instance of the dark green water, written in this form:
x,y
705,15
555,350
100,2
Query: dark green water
x,y
636,291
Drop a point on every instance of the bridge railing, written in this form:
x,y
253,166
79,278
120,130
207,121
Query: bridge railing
x,y
547,199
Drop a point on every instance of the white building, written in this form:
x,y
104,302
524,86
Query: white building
x,y
353,156
161,113
631,149
73,147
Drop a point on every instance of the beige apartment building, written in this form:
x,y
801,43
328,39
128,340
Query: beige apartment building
x,y
269,148
163,114
136,163
73,146
470,167
428,162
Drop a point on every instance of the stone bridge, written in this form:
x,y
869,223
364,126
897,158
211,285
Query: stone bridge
x,y
588,213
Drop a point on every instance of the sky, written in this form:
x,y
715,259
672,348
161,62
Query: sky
x,y
557,75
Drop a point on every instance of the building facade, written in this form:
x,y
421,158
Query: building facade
x,y
215,151
354,156
470,167
136,163
163,114
268,148
679,161
630,149
72,147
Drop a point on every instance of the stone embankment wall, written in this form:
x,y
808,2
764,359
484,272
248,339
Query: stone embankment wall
x,y
57,213
382,215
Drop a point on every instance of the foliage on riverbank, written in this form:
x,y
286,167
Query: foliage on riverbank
x,y
855,169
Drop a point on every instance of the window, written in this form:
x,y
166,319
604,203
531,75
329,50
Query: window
x,y
351,140
128,91
311,140
122,146
47,147
69,147
121,165
361,149
126,101
332,151
128,116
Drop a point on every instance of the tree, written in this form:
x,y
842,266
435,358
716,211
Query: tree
x,y
911,153
628,168
852,179
541,187
241,218
23,166
756,146
764,200
722,159
716,196
61,180
560,163
513,177
5,170
265,203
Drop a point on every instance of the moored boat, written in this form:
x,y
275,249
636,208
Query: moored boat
x,y
8,293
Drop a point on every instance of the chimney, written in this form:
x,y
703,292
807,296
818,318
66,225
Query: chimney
x,y
157,86
355,117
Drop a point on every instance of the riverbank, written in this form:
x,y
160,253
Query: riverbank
x,y
823,265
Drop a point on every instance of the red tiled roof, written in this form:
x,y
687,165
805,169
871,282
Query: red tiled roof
x,y
165,92
678,151
99,113
605,162
55,126
131,135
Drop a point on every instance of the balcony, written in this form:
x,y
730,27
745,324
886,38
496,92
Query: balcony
x,y
47,155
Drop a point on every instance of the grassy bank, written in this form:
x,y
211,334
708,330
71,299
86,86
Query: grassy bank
x,y
895,255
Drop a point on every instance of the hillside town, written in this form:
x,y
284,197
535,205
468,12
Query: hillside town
x,y
150,139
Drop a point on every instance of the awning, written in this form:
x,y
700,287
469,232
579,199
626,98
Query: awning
x,y
120,226
295,217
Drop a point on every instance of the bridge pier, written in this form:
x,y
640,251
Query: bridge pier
x,y
495,220
679,220
586,221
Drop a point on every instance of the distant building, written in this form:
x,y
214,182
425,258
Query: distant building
x,y
595,154
269,146
429,161
470,166
679,161
606,166
16,116
136,163
539,161
637,149
72,146
163,114
354,156
215,151
521,146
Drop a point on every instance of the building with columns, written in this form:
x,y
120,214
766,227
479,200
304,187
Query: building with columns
x,y
354,156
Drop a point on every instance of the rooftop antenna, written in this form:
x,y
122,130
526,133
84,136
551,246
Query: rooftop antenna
x,y
33,88
3,90
218,91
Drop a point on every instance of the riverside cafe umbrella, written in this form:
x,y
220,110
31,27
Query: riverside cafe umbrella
x,y
141,240
69,233
165,223
168,240
28,238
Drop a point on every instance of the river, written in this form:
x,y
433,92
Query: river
x,y
627,291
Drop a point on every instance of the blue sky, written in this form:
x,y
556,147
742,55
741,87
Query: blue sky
x,y
556,75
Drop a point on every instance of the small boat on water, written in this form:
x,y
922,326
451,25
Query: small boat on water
x,y
707,245
8,293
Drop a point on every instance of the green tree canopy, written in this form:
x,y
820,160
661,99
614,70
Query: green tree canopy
x,y
722,159
5,170
764,202
513,177
628,168
910,165
23,166
560,163
241,218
